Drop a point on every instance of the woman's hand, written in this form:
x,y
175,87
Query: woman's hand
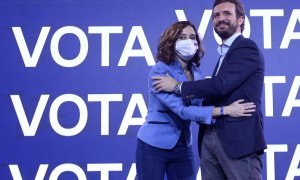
x,y
238,109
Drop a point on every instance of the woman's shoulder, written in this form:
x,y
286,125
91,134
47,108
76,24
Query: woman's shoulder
x,y
160,68
160,64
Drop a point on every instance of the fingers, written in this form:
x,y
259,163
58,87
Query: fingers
x,y
157,77
249,110
160,77
239,101
154,83
250,106
244,104
247,115
157,82
248,103
244,114
157,86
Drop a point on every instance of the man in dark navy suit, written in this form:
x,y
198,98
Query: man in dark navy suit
x,y
230,148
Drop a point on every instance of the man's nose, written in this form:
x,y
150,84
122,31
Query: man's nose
x,y
221,18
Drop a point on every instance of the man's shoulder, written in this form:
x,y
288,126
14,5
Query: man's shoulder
x,y
246,40
243,41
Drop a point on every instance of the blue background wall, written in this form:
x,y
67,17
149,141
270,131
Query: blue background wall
x,y
72,106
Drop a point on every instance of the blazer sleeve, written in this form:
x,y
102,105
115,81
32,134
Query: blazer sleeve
x,y
240,62
174,102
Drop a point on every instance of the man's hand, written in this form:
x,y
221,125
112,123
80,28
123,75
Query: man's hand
x,y
239,108
164,83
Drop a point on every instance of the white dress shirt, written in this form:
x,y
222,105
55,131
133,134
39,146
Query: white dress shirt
x,y
223,48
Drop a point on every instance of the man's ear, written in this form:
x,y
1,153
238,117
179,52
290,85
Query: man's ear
x,y
241,20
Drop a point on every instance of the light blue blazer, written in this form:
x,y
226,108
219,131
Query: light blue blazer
x,y
167,114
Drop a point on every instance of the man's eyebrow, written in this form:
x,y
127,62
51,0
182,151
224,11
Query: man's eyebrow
x,y
226,11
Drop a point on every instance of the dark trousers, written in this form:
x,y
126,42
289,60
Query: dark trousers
x,y
153,163
217,165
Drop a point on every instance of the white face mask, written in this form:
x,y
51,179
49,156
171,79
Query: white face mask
x,y
186,49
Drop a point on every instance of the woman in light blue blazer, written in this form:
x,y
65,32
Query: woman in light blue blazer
x,y
164,140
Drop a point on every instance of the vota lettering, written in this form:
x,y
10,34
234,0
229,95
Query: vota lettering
x,y
29,129
136,35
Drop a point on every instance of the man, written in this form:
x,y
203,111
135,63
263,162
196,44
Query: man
x,y
230,148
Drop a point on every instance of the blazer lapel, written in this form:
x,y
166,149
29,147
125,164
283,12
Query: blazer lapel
x,y
216,67
234,43
179,74
240,37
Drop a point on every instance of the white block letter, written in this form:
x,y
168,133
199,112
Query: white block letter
x,y
84,46
31,60
67,168
104,99
267,14
82,115
269,81
29,129
289,32
292,101
136,100
136,32
105,32
294,170
270,157
104,169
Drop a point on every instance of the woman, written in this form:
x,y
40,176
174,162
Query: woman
x,y
164,140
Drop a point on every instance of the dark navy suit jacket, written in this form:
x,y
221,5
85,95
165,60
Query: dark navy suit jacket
x,y
241,76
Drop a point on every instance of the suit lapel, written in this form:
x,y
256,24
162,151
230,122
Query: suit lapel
x,y
216,67
234,43
240,37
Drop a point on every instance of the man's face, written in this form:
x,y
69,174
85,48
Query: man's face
x,y
225,21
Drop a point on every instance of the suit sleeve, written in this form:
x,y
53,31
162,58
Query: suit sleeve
x,y
173,102
242,61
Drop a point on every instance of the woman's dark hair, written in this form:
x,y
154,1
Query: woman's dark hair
x,y
166,46
239,9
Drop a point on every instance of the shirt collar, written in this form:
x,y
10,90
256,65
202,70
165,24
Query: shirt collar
x,y
223,48
229,41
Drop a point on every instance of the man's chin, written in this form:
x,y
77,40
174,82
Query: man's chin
x,y
223,35
221,32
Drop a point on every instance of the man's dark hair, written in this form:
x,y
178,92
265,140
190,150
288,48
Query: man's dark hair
x,y
239,9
